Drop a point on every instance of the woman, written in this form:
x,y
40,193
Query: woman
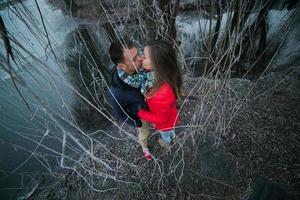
x,y
161,59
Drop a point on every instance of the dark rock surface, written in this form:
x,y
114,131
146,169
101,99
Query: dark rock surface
x,y
230,134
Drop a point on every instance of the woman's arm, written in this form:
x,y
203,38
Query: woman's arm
x,y
159,105
152,117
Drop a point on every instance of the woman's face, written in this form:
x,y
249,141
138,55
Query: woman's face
x,y
147,64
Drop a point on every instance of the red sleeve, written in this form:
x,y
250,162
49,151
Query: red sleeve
x,y
161,104
152,117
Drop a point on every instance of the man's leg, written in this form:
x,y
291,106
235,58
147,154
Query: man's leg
x,y
144,132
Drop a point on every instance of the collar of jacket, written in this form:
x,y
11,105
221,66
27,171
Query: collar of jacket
x,y
117,82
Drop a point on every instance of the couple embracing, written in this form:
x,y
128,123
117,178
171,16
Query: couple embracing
x,y
145,89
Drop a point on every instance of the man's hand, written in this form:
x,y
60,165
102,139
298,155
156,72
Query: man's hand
x,y
138,123
135,109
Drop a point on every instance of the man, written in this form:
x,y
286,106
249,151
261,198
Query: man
x,y
124,98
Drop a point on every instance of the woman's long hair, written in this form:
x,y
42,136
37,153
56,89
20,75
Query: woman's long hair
x,y
165,66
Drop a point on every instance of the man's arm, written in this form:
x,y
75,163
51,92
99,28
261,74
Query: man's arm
x,y
121,107
116,104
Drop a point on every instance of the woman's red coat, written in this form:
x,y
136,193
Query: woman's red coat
x,y
162,109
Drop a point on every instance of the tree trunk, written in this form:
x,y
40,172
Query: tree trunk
x,y
226,56
252,29
110,31
165,6
247,9
71,6
86,39
263,38
217,28
149,19
6,42
172,34
236,17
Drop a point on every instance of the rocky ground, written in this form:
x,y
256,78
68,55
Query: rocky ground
x,y
237,140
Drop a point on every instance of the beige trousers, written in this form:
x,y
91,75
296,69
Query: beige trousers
x,y
144,132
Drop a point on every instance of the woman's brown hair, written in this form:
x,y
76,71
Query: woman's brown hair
x,y
165,66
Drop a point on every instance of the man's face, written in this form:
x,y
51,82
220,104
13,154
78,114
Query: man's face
x,y
132,61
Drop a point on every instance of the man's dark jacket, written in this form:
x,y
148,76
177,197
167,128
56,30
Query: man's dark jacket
x,y
126,98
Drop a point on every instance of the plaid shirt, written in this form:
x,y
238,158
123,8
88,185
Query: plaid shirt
x,y
143,80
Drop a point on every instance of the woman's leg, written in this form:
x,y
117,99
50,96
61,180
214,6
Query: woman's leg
x,y
166,136
172,134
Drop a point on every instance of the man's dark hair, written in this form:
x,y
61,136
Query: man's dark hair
x,y
116,49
